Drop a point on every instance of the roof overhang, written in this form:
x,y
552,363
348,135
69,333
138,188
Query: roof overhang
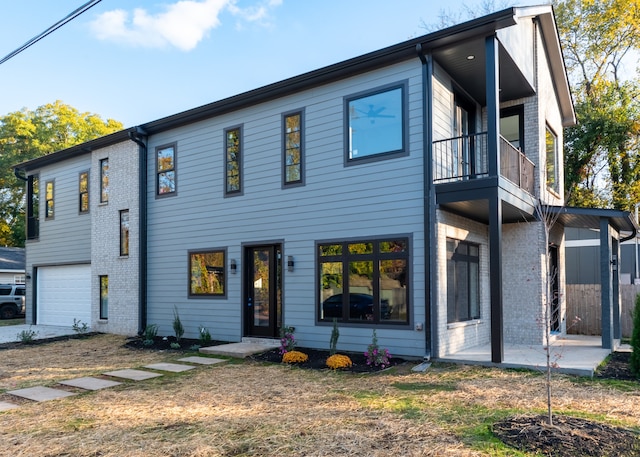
x,y
622,221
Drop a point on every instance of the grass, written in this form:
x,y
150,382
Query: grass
x,y
5,322
257,409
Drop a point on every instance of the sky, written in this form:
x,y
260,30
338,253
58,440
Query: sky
x,y
136,61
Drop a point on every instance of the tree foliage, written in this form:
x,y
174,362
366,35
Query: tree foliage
x,y
27,135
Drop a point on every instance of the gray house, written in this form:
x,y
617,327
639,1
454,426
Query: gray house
x,y
394,192
12,264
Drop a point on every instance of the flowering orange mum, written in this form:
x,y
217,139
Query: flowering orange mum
x,y
294,357
338,361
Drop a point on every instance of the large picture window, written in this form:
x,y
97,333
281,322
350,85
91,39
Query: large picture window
x,y
463,281
207,273
551,141
293,148
375,124
233,161
166,170
364,281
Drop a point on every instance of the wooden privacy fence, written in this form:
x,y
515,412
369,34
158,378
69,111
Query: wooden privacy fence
x,y
584,302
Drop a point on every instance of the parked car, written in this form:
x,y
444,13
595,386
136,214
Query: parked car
x,y
360,306
12,301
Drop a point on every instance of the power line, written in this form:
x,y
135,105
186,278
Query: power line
x,y
51,29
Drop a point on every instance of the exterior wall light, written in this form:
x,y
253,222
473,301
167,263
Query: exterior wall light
x,y
233,266
290,263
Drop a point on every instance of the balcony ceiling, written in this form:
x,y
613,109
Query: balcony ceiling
x,y
470,74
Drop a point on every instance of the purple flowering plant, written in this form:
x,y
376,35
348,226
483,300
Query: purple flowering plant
x,y
376,356
287,340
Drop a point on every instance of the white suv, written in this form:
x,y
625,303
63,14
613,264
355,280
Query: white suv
x,y
11,300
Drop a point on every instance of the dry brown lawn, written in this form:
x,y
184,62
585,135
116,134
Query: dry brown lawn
x,y
253,409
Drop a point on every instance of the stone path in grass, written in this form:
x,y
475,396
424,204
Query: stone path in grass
x,y
111,379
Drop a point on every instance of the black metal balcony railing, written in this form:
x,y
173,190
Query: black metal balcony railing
x,y
467,157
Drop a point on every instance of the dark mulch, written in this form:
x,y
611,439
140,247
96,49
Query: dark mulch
x,y
163,343
318,358
617,367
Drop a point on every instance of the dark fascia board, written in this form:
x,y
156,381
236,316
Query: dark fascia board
x,y
620,220
74,151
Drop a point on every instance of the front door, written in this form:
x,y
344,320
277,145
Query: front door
x,y
263,290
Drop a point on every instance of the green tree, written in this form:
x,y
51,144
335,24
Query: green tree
x,y
635,340
26,135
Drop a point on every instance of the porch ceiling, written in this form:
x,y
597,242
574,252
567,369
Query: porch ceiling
x,y
470,74
478,210
621,221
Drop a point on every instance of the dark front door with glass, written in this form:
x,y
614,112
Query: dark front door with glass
x,y
263,290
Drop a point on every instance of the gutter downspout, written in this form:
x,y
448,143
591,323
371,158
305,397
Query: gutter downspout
x,y
429,200
139,136
16,172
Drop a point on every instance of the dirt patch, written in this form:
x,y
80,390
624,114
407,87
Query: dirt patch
x,y
617,367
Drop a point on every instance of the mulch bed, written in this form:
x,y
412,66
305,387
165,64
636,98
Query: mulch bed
x,y
617,367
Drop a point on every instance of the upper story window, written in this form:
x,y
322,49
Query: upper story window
x,y
293,148
104,180
207,273
551,142
49,202
83,192
364,282
463,281
33,207
166,170
233,161
375,124
512,126
124,232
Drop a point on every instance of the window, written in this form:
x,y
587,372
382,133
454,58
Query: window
x,y
166,170
124,232
104,180
293,148
463,281
104,297
364,281
33,207
233,161
49,203
512,126
83,192
207,273
551,141
375,124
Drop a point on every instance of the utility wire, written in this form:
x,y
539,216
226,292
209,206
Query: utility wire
x,y
51,29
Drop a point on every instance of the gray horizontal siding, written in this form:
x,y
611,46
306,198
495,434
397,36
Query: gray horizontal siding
x,y
337,202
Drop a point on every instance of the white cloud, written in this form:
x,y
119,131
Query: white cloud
x,y
182,25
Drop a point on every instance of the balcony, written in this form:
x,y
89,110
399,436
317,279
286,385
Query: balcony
x,y
466,158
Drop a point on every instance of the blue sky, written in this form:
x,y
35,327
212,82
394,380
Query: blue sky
x,y
140,60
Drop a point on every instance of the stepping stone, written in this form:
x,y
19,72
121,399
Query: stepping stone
x,y
6,406
172,367
41,393
134,375
202,360
90,383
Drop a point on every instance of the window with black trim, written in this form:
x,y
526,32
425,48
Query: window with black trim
x,y
551,142
463,281
166,172
104,180
49,201
104,297
207,273
512,126
33,207
233,161
293,159
375,123
83,192
124,232
364,281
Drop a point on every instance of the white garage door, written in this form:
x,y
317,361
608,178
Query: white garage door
x,y
64,294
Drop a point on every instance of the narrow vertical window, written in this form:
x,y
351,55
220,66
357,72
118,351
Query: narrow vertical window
x,y
104,297
293,149
233,161
104,180
33,207
49,208
124,232
83,192
551,142
166,170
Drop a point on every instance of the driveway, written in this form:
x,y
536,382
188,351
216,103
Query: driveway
x,y
9,333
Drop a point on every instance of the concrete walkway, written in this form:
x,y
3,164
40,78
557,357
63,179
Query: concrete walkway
x,y
9,333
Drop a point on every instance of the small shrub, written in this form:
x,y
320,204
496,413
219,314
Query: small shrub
x,y
287,340
175,345
194,347
205,336
337,361
376,356
79,327
178,328
27,336
294,357
634,363
335,334
149,334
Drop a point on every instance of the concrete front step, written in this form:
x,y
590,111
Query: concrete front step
x,y
246,348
